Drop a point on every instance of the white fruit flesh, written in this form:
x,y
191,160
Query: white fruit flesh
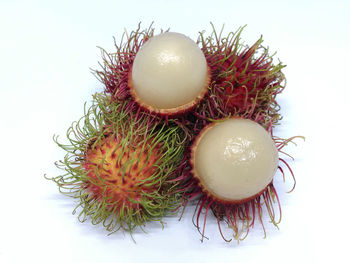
x,y
169,71
235,159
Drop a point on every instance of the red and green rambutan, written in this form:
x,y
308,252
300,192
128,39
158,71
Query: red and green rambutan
x,y
119,169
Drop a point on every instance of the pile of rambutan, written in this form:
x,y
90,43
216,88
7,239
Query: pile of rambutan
x,y
179,122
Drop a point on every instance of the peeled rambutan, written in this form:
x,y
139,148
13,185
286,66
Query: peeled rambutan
x,y
165,75
234,160
229,170
119,169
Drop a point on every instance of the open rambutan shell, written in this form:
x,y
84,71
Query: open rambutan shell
x,y
240,213
164,75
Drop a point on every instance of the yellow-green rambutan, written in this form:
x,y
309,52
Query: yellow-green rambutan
x,y
118,169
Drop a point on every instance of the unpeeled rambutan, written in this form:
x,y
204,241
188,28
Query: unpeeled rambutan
x,y
244,80
119,169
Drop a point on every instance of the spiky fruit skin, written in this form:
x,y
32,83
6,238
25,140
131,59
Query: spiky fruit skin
x,y
116,66
120,169
244,81
120,175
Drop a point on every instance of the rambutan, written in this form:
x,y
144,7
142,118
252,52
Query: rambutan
x,y
229,170
119,169
244,80
165,75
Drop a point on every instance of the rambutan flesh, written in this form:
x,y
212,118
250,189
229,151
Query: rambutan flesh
x,y
166,75
244,80
169,74
120,169
234,160
229,170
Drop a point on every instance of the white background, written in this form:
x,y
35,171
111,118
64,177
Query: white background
x,y
46,51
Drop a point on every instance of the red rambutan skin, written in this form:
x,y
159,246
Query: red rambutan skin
x,y
171,112
112,176
244,81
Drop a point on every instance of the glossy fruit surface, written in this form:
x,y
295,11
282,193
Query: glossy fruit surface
x,y
234,160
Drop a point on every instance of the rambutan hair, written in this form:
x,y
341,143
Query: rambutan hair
x,y
115,66
119,169
244,80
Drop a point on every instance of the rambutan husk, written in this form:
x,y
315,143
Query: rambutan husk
x,y
119,169
244,80
116,66
170,112
240,216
